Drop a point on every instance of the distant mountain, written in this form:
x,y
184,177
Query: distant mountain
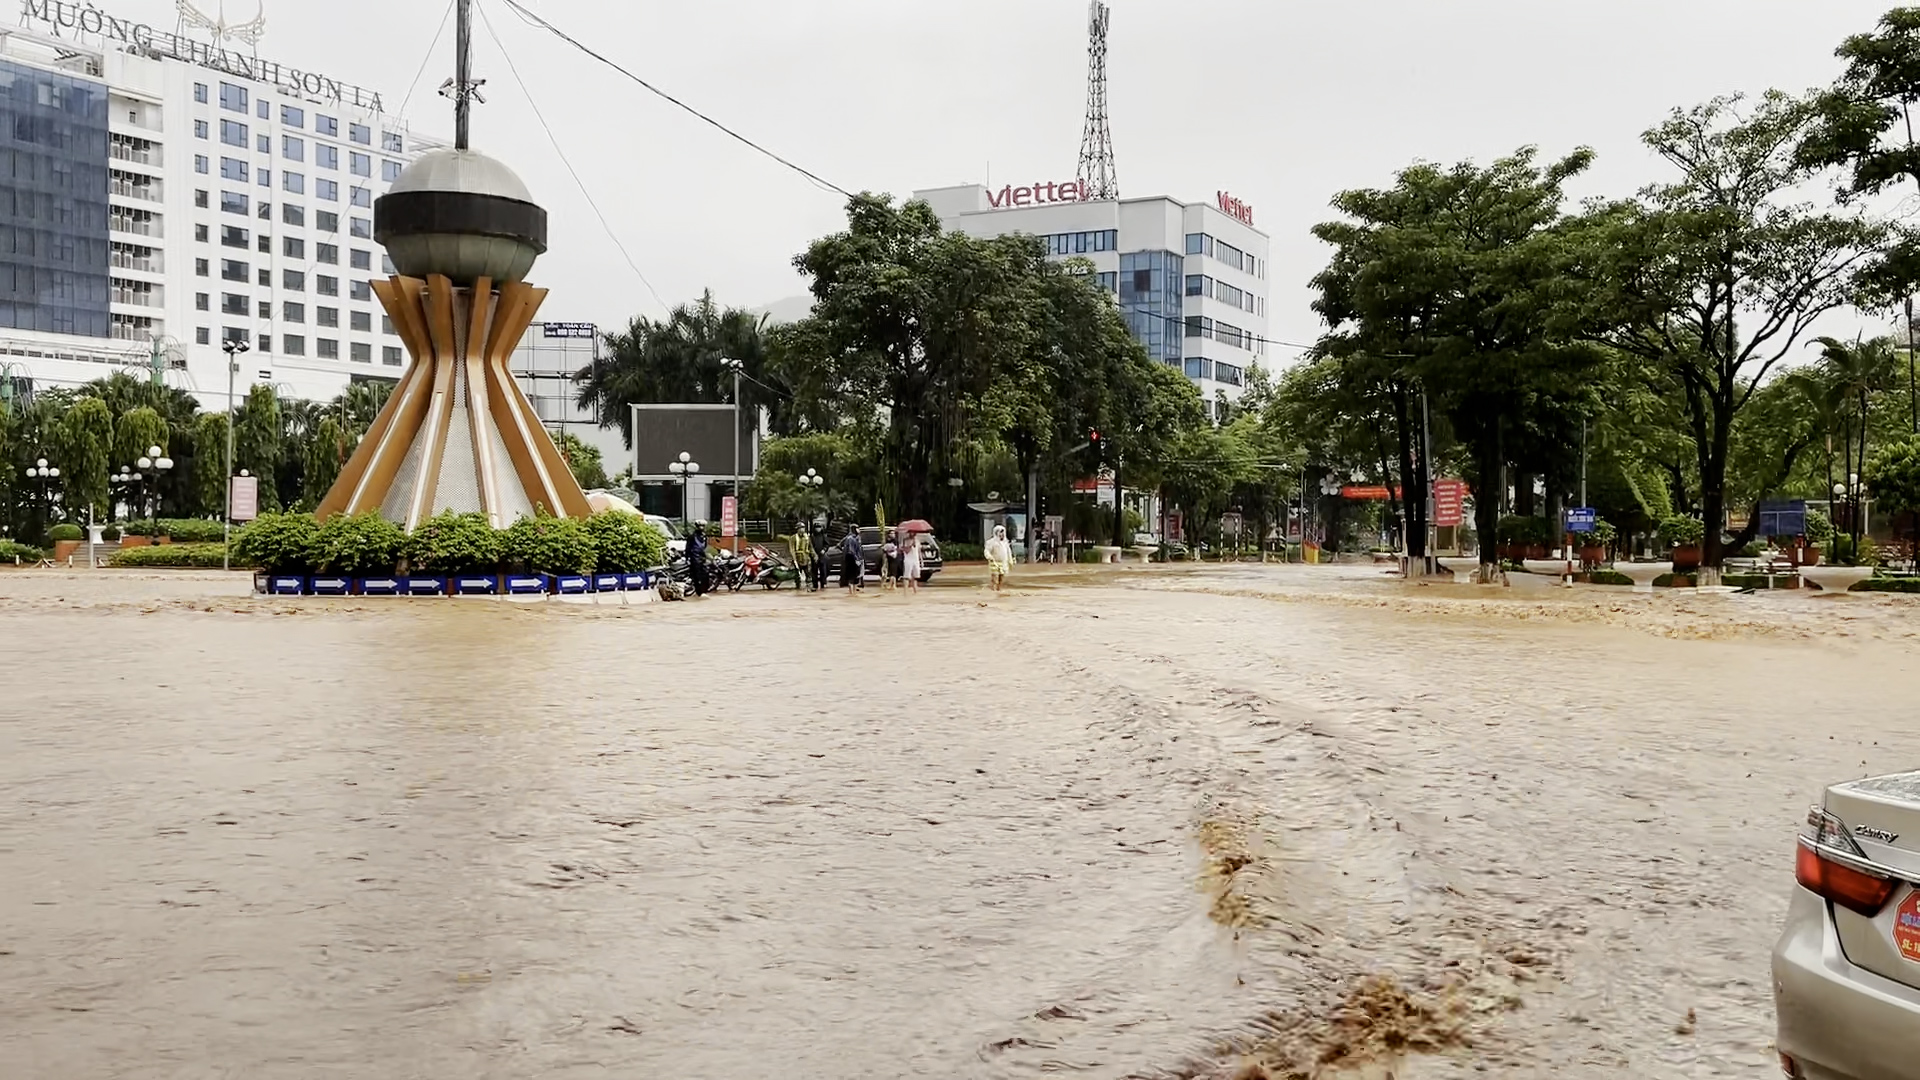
x,y
790,310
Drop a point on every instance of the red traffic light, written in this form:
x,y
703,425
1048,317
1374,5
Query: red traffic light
x,y
1093,436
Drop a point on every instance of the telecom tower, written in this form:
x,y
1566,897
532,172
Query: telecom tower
x,y
1098,178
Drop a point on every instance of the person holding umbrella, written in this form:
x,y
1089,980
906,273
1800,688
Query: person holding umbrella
x,y
910,560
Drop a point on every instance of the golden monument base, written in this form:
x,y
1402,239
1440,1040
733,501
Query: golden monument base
x,y
457,434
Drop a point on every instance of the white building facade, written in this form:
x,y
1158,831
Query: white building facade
x,y
165,195
1190,278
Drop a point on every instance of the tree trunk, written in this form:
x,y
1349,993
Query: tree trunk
x,y
1486,503
1413,502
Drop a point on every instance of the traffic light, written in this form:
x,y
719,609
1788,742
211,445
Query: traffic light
x,y
1099,448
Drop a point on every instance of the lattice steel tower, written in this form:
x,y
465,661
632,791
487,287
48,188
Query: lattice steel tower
x,y
1097,173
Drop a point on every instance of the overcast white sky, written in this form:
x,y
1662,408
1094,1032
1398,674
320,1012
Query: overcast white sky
x,y
1281,102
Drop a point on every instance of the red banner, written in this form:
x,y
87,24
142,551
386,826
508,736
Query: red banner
x,y
1448,497
1375,492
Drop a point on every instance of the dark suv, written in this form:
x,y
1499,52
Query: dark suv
x,y
870,538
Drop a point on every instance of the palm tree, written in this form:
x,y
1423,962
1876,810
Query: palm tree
x,y
680,360
1854,372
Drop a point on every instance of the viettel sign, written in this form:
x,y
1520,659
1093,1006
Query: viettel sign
x,y
1234,208
1053,191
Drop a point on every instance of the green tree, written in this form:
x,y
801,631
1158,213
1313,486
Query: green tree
x,y
1710,281
257,439
86,442
326,454
583,458
1893,473
209,470
682,360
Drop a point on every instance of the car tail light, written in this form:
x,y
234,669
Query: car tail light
x,y
1831,865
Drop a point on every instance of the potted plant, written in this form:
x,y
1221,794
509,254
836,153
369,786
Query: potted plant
x,y
1683,534
284,546
1819,535
1593,544
65,539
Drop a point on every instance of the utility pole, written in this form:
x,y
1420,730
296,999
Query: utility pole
x,y
1913,396
463,72
735,365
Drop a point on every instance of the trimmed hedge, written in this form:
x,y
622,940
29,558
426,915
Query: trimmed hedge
x,y
191,530
624,543
1889,584
1607,577
955,551
65,532
178,556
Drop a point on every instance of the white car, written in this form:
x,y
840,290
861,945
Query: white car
x,y
676,544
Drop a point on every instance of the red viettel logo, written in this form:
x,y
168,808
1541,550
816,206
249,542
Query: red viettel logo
x,y
1053,191
1235,208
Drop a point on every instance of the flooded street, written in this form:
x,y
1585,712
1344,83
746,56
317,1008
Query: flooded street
x,y
1219,822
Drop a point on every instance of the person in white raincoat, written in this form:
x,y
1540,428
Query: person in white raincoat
x,y
999,557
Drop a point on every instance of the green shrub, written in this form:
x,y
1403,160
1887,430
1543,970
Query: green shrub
x,y
1819,527
11,550
543,544
278,543
190,530
1889,584
1675,581
450,543
1525,529
955,551
110,533
1088,555
358,545
202,556
624,543
1607,577
65,531
138,528
1843,554
1678,530
1602,534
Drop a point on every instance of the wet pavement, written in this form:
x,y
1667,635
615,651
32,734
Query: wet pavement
x,y
1145,822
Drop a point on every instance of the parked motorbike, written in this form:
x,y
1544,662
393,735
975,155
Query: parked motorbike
x,y
768,570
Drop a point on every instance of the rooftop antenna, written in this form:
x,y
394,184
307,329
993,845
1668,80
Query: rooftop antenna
x,y
463,88
1097,173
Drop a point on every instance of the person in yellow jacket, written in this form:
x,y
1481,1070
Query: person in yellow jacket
x,y
803,557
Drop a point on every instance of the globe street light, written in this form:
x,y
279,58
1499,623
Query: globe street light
x,y
233,347
686,469
156,460
46,474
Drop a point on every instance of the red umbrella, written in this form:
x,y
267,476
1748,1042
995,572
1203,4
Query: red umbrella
x,y
917,525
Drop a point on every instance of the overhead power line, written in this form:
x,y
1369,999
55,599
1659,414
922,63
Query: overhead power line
x,y
427,59
544,126
535,20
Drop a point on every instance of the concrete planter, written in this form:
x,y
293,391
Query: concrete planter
x,y
127,542
64,549
1835,579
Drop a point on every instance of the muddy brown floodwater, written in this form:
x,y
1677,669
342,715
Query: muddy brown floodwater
x,y
1243,821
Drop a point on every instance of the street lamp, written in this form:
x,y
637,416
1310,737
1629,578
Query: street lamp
x,y
46,474
233,347
155,460
811,481
686,469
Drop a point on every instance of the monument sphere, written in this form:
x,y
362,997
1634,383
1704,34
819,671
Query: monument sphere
x,y
462,214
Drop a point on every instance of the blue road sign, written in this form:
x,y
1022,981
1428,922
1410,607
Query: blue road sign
x,y
1581,518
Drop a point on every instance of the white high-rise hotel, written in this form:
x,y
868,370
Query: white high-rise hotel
x,y
159,188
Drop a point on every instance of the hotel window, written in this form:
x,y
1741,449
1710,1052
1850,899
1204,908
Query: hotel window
x,y
327,316
233,133
359,164
393,142
294,182
266,343
362,228
233,98
361,197
291,116
293,247
201,302
326,189
293,148
234,304
390,355
293,280
293,312
266,244
327,253
362,352
1109,281
263,177
261,109
293,345
360,133
200,92
326,348
202,335
234,270
266,309
200,267
386,264
263,143
293,214
390,171
1199,367
200,233
326,285
326,157
200,198
199,129
266,277
265,212
360,290
1227,373
362,260
326,125
386,324
326,221
232,203
361,321
200,163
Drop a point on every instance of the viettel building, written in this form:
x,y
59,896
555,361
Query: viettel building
x,y
1191,277
159,194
